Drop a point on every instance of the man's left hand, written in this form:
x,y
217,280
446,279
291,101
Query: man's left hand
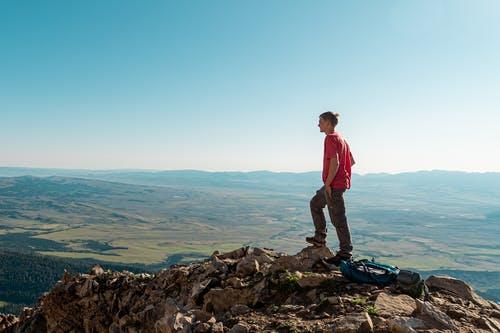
x,y
328,191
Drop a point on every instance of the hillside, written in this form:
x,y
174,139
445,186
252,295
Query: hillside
x,y
250,290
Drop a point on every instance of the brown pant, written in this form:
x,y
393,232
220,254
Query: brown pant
x,y
336,210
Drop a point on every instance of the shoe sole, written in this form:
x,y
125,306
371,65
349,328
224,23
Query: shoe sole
x,y
316,244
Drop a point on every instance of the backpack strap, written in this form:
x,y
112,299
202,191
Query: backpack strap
x,y
373,276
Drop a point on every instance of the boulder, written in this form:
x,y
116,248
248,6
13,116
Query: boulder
x,y
455,286
302,261
220,300
436,314
393,305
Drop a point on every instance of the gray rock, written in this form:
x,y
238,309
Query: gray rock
x,y
219,265
457,287
353,323
432,311
240,309
239,328
405,324
247,266
236,254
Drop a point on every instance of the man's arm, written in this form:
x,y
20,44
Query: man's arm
x,y
332,170
352,159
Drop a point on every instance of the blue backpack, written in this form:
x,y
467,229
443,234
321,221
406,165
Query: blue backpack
x,y
366,271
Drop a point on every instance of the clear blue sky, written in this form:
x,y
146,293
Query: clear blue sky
x,y
233,85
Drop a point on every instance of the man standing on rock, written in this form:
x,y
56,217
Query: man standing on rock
x,y
337,162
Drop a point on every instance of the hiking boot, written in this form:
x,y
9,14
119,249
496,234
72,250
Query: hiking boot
x,y
337,258
315,241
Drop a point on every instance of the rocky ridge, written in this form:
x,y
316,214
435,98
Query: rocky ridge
x,y
250,290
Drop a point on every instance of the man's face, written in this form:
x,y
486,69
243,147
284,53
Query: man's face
x,y
323,125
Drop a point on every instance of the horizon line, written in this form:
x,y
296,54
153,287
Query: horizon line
x,y
235,171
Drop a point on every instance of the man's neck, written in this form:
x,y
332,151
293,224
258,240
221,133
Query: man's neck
x,y
330,131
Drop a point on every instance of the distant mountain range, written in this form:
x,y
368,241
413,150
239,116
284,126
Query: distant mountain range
x,y
461,180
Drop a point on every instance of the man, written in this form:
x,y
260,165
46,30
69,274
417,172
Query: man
x,y
337,162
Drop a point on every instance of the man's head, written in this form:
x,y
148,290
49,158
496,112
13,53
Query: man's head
x,y
328,121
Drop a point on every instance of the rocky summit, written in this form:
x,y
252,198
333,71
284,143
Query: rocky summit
x,y
250,290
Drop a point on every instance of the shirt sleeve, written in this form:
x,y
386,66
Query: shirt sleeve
x,y
330,147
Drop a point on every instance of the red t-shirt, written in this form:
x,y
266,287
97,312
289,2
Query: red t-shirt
x,y
335,145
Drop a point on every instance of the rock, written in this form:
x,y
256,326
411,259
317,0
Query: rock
x,y
66,277
334,300
490,324
181,321
219,300
234,282
311,254
405,324
236,254
218,328
290,263
264,259
87,288
455,286
390,305
171,307
312,280
287,308
240,309
380,324
353,323
200,289
202,316
265,251
312,295
239,328
164,325
114,328
219,265
247,266
302,261
433,312
97,270
202,328
367,325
